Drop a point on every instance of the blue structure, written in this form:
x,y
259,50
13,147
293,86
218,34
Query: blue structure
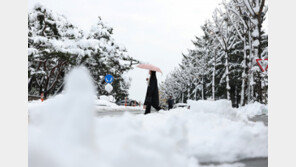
x,y
109,78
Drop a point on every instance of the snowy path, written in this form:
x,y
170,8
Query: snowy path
x,y
117,110
100,113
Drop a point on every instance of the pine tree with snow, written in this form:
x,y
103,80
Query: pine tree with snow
x,y
108,58
223,63
55,46
47,56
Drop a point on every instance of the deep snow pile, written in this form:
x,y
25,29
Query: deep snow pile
x,y
254,109
64,133
210,131
223,133
61,128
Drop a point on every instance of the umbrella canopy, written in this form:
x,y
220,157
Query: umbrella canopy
x,y
149,67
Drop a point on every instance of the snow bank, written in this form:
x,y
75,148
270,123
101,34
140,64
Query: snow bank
x,y
142,140
209,137
61,128
64,133
224,107
253,109
106,104
109,98
107,101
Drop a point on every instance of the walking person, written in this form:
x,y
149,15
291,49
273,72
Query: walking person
x,y
152,97
170,102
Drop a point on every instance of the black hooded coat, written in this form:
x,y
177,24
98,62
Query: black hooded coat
x,y
152,97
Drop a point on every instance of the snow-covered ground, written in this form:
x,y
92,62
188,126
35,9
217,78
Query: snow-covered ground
x,y
64,132
105,104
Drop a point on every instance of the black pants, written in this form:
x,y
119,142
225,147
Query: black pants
x,y
170,107
148,108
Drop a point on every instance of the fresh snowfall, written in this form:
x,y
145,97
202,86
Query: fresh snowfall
x,y
65,131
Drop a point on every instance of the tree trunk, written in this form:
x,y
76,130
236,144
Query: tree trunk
x,y
213,77
243,75
251,77
202,88
227,76
258,50
188,93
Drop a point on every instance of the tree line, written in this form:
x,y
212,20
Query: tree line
x,y
55,46
223,64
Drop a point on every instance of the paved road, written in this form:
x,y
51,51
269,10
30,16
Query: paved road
x,y
260,118
255,162
103,112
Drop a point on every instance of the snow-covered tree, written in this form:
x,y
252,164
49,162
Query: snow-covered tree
x,y
55,45
224,33
47,56
223,63
248,17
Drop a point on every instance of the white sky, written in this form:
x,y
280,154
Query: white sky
x,y
154,31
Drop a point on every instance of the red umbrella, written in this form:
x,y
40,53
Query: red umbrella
x,y
149,67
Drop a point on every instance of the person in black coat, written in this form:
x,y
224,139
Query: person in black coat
x,y
152,98
170,102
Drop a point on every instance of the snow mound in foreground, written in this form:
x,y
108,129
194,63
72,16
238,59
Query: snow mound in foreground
x,y
61,128
63,132
207,136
